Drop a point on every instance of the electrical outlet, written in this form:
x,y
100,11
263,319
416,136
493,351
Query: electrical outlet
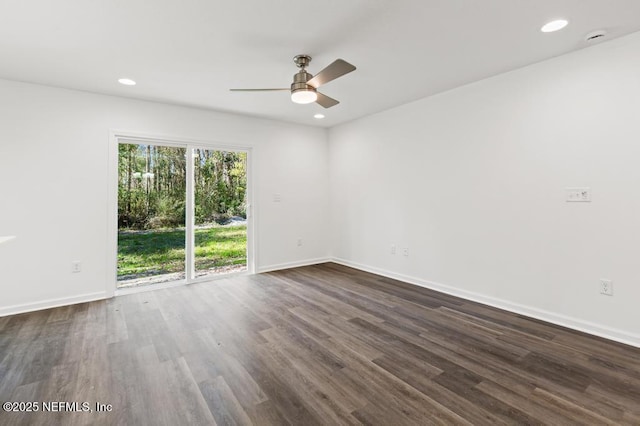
x,y
606,287
76,266
393,249
405,252
299,242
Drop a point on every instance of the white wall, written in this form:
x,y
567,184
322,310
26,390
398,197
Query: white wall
x,y
54,186
472,182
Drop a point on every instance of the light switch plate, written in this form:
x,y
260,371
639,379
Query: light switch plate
x,y
578,195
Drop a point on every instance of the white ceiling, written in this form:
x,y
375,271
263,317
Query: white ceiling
x,y
190,52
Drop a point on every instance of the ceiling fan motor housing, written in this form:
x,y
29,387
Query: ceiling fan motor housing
x,y
300,82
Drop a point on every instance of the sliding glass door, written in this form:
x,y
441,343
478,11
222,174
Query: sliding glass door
x,y
220,211
182,213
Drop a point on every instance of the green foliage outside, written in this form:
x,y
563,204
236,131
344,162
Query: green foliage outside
x,y
152,186
162,251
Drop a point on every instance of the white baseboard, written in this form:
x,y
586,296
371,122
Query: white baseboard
x,y
52,303
551,317
290,265
90,297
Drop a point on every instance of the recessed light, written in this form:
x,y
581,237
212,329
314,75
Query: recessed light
x,y
127,82
319,116
556,25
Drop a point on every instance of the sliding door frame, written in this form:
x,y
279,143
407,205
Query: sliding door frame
x,y
122,137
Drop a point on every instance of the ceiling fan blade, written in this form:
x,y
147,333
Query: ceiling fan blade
x,y
336,69
325,101
258,90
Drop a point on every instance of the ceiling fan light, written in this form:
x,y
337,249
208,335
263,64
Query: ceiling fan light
x,y
304,96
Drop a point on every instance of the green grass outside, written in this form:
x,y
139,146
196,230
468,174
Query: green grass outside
x,y
162,252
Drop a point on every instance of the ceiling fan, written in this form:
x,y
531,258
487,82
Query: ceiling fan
x,y
304,87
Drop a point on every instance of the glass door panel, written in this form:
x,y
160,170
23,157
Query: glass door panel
x,y
151,214
220,212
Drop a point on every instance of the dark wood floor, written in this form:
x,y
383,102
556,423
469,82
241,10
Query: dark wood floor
x,y
316,345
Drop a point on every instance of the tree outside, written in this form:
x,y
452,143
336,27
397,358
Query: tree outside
x,y
152,210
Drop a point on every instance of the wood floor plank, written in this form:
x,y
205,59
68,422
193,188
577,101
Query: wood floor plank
x,y
265,414
188,401
524,403
318,345
320,374
514,378
222,403
308,386
340,329
244,387
476,414
572,410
